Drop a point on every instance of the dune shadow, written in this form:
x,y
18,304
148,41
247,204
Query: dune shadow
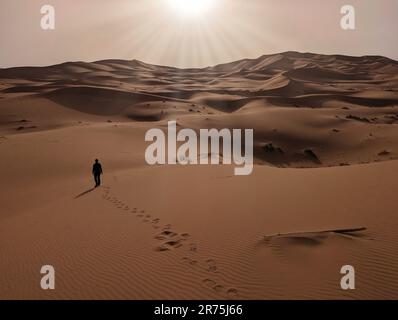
x,y
87,99
313,238
84,193
304,241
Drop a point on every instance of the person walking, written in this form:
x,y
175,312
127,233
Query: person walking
x,y
97,171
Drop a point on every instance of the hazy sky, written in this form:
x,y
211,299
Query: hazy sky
x,y
156,31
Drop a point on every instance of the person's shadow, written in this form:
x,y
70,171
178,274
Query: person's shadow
x,y
84,193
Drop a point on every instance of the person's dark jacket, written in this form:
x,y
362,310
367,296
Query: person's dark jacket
x,y
97,169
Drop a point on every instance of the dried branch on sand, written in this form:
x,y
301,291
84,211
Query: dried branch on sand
x,y
340,231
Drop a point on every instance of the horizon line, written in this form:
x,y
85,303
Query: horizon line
x,y
205,67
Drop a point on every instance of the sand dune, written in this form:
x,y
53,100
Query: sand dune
x,y
347,89
197,232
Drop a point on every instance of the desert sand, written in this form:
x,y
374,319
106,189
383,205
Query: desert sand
x,y
326,150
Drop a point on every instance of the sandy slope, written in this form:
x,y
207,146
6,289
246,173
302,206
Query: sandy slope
x,y
197,232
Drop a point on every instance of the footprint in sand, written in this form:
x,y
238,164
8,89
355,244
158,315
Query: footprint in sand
x,y
172,240
155,223
147,218
218,288
233,293
230,292
209,283
213,285
169,245
165,234
193,247
121,205
189,261
211,265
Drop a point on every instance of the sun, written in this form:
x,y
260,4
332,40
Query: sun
x,y
191,7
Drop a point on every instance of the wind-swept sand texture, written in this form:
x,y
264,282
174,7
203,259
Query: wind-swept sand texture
x,y
197,232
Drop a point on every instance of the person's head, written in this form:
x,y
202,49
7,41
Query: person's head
x,y
96,160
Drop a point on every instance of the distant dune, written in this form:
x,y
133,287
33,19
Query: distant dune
x,y
197,232
348,105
